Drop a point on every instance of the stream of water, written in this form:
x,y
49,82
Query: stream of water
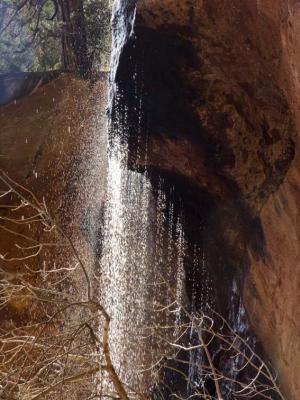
x,y
140,246
143,239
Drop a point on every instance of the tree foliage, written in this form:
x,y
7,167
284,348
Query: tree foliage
x,y
39,35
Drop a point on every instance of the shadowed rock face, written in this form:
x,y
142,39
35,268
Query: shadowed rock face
x,y
214,109
215,85
205,106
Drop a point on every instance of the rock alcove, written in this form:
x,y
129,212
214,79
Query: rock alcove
x,y
218,124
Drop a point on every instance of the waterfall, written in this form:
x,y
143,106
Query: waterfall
x,y
141,244
145,248
143,238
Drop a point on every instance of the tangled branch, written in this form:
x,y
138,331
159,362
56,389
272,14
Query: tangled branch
x,y
62,348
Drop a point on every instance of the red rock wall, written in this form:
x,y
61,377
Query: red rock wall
x,y
253,44
54,143
272,289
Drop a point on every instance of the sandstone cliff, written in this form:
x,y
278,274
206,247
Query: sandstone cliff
x,y
220,97
53,142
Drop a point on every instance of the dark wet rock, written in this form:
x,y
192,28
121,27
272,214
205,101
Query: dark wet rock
x,y
209,93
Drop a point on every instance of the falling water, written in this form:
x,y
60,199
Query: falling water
x,y
139,248
143,239
144,244
239,324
